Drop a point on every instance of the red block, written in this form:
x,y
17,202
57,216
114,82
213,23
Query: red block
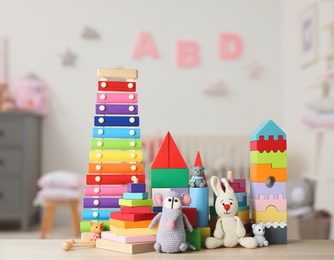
x,y
190,214
135,210
133,217
268,145
117,86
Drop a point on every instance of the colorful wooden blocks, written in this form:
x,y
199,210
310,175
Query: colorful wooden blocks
x,y
268,178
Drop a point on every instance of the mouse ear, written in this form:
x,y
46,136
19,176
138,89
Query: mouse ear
x,y
185,199
228,188
216,186
158,198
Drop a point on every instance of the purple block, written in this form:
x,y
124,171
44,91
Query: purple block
x,y
180,190
101,203
136,187
116,109
257,188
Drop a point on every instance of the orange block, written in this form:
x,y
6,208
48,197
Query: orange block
x,y
261,172
130,224
126,168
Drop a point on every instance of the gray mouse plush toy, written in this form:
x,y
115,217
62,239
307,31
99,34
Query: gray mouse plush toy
x,y
171,235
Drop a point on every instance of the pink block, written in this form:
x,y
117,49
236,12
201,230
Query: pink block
x,y
261,204
116,97
240,182
105,190
127,239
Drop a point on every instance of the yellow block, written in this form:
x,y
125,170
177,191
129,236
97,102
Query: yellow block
x,y
132,231
243,215
130,224
270,215
205,232
112,156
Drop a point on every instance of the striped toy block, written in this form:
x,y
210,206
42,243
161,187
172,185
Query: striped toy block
x,y
116,121
109,168
135,195
270,215
115,156
277,160
136,187
261,172
191,214
132,231
119,109
104,190
260,188
267,128
205,233
238,185
133,217
194,239
92,179
268,145
117,73
116,98
135,248
136,203
119,132
129,224
108,235
115,144
85,226
135,210
261,204
242,198
101,203
169,178
244,215
97,214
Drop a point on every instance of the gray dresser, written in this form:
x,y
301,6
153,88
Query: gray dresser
x,y
20,138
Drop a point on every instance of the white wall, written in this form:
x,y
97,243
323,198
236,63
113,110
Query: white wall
x,y
171,98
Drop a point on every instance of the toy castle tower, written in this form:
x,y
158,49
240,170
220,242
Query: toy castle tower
x,y
268,176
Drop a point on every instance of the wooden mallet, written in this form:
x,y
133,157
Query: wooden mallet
x,y
69,243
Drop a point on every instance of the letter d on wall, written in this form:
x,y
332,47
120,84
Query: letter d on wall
x,y
231,46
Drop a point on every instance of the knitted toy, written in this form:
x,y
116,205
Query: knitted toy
x,y
229,230
258,232
197,178
171,236
96,229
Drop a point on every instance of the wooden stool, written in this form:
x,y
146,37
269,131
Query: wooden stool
x,y
48,215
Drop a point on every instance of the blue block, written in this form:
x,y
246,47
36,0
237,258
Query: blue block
x,y
106,132
200,201
266,129
157,209
116,121
242,198
102,214
136,187
135,195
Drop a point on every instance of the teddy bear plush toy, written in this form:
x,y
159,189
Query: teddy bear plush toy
x,y
229,230
6,101
96,229
258,232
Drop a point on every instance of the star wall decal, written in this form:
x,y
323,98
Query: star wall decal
x,y
89,33
253,69
216,88
68,58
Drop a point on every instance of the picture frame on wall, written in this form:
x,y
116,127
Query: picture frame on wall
x,y
307,27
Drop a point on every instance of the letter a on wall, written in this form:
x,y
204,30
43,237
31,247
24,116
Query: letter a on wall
x,y
231,46
145,46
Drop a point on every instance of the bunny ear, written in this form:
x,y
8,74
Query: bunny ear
x,y
216,186
228,188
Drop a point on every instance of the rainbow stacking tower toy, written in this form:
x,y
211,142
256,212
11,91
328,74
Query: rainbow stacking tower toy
x,y
116,168
268,176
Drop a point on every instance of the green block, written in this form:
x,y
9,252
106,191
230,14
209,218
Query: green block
x,y
277,159
194,239
121,144
170,178
85,226
213,211
134,203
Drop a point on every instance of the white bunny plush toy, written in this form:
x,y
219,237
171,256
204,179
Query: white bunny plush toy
x,y
229,230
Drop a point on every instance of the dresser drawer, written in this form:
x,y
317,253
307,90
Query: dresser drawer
x,y
10,132
10,195
10,161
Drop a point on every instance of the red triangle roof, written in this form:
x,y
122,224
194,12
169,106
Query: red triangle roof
x,y
198,160
168,155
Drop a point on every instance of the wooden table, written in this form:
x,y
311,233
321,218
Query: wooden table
x,y
51,249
